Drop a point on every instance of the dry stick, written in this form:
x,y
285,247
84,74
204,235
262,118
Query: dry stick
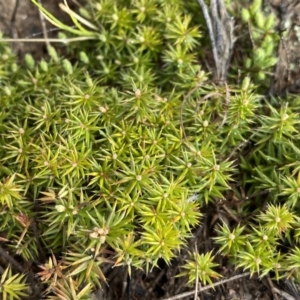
x,y
251,36
210,30
11,260
13,18
197,271
226,24
231,214
44,27
54,40
48,31
292,288
207,96
218,36
284,15
42,40
207,287
239,77
283,294
241,145
220,28
272,287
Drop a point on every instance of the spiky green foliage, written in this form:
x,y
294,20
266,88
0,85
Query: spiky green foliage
x,y
200,267
12,286
109,160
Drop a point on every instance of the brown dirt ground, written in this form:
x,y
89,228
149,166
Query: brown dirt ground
x,y
19,19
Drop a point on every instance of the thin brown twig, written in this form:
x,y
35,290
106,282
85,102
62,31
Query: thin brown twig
x,y
241,145
197,271
231,214
53,40
251,37
207,287
292,288
13,19
239,77
11,260
272,287
283,294
207,96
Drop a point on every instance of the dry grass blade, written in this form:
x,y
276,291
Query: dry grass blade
x,y
207,287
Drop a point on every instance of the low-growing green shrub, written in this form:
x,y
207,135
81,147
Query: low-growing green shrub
x,y
111,157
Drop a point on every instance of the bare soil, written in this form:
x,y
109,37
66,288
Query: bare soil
x,y
20,19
